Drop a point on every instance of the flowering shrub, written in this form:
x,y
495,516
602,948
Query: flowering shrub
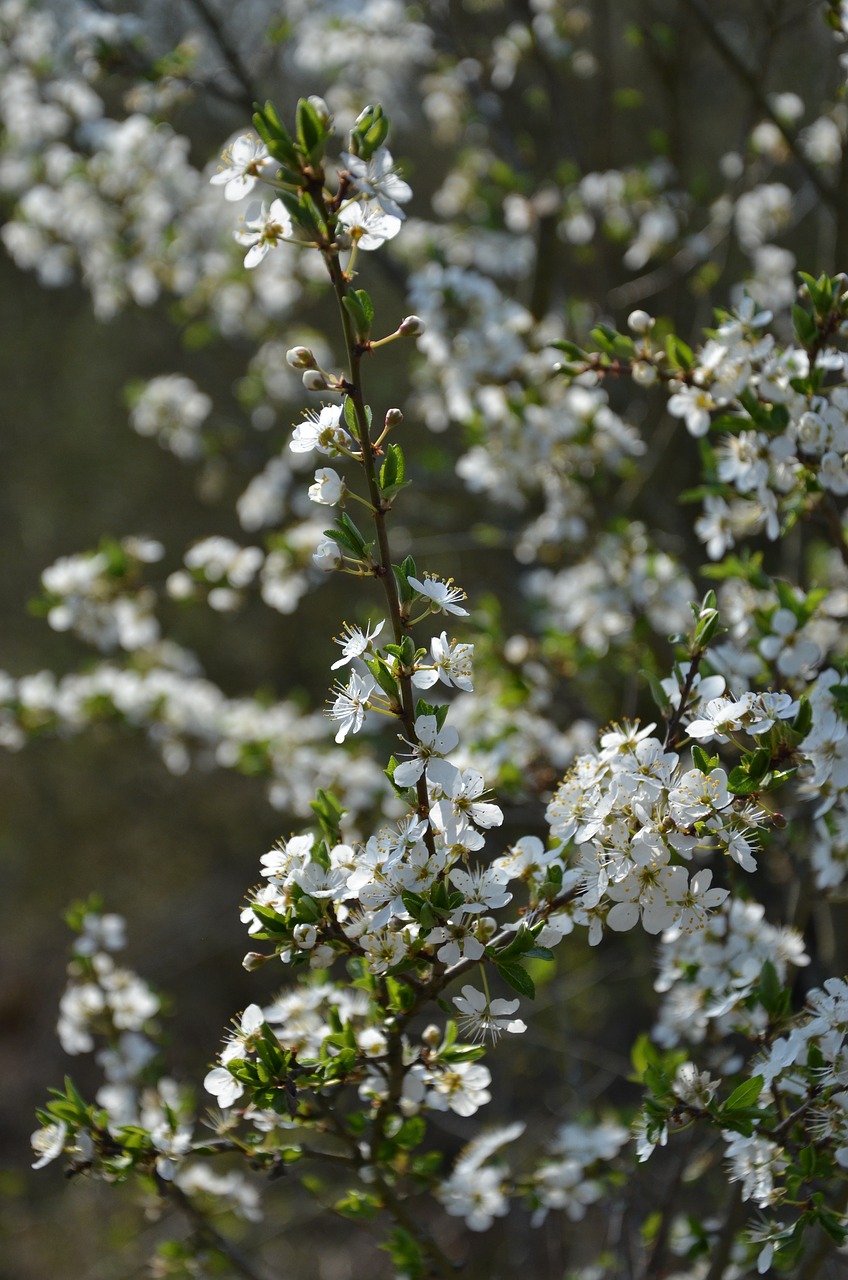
x,y
646,756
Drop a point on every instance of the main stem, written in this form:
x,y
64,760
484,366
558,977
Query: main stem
x,y
380,508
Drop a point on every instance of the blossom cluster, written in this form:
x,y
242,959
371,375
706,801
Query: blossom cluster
x,y
634,814
413,900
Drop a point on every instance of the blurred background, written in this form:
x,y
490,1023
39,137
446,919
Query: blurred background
x,y
501,110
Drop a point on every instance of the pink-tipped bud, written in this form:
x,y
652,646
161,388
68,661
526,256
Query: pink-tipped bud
x,y
301,358
314,380
394,418
411,327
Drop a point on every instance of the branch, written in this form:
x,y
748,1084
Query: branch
x,y
752,84
229,52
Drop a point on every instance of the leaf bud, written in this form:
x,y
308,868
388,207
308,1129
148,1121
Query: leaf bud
x,y
301,358
640,322
411,327
394,418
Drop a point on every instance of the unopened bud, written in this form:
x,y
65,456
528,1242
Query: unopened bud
x,y
321,110
254,960
640,322
314,380
301,358
394,418
643,374
432,1036
411,327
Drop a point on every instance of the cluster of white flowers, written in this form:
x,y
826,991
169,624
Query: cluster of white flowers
x,y
784,439
365,887
639,206
630,808
477,1189
600,599
173,410
220,565
110,1009
93,595
189,720
544,439
706,979
564,1179
825,779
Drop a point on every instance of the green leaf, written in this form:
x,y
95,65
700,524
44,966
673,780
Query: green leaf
x,y
757,764
769,990
740,783
706,763
803,722
744,1095
518,978
804,325
393,471
679,354
275,135
311,134
658,693
361,311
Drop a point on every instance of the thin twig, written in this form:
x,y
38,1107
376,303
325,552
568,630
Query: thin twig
x,y
752,84
228,51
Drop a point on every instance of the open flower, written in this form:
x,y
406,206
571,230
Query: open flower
x,y
245,162
369,227
376,178
351,704
264,232
443,596
432,742
483,1019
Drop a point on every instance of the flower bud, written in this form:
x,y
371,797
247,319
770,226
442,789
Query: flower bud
x,y
643,374
394,418
432,1036
314,380
411,327
640,322
254,960
301,358
321,110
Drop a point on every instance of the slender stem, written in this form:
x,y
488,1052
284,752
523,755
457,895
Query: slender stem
x,y
380,509
674,721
